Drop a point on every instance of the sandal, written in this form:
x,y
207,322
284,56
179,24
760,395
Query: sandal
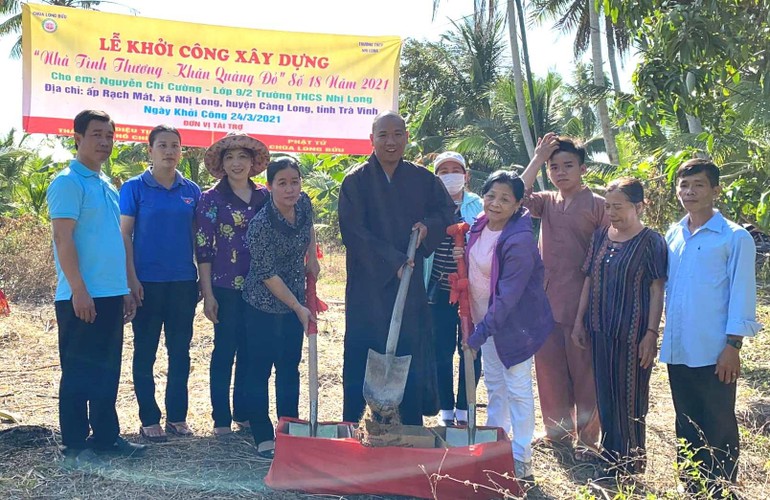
x,y
554,444
180,429
153,433
222,431
242,426
266,449
587,455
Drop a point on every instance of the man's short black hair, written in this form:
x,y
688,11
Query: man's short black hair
x,y
154,133
569,145
84,118
80,124
698,165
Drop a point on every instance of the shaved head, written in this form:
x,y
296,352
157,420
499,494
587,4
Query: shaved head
x,y
387,116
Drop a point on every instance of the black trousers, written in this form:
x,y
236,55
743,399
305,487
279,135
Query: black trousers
x,y
229,346
448,340
169,306
90,357
273,340
705,418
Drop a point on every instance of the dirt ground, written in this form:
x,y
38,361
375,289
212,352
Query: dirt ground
x,y
205,467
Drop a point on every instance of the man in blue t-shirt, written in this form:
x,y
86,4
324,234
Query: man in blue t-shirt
x,y
92,296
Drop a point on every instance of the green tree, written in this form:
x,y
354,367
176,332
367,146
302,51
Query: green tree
x,y
13,157
584,18
11,26
192,167
429,94
702,88
30,192
574,17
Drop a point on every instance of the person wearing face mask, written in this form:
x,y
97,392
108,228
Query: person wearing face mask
x,y
450,167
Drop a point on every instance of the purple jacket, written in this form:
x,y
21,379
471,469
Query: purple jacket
x,y
519,315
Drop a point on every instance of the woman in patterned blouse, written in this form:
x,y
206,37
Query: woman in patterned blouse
x,y
618,319
278,238
222,218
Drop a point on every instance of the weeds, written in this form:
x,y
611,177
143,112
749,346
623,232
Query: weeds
x,y
27,271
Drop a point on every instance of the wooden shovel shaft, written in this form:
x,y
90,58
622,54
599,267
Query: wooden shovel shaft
x,y
458,233
398,307
470,395
312,365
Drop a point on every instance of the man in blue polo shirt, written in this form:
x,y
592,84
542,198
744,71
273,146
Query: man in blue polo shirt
x,y
710,309
92,296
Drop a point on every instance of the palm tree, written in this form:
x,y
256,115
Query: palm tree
x,y
573,15
12,25
192,167
13,157
30,192
474,53
596,56
126,161
518,79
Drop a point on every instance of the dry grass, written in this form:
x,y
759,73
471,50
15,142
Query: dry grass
x,y
204,467
26,259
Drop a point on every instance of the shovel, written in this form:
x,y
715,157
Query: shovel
x,y
313,429
386,374
460,295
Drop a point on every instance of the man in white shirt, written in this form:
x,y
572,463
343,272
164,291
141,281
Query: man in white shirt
x,y
710,308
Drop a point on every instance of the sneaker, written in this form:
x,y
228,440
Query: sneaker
x,y
523,470
123,448
446,423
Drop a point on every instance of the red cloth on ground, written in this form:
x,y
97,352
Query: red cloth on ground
x,y
346,467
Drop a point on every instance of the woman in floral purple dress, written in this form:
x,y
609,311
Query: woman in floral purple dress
x,y
222,218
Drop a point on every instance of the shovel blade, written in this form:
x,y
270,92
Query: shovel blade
x,y
302,429
385,380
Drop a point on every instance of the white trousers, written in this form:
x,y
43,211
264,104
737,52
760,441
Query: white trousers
x,y
511,401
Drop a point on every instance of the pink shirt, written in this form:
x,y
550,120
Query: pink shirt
x,y
565,236
480,273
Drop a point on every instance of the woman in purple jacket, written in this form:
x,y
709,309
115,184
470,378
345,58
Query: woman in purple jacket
x,y
509,309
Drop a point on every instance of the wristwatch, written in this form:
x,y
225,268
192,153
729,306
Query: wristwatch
x,y
737,343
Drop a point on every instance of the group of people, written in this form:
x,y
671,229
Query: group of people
x,y
148,254
583,302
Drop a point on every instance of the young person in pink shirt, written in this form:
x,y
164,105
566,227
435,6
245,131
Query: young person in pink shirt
x,y
569,216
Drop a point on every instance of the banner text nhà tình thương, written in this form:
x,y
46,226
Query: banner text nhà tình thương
x,y
297,92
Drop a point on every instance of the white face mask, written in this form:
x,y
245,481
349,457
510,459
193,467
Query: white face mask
x,y
454,183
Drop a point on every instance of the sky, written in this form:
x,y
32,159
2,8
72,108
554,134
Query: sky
x,y
404,18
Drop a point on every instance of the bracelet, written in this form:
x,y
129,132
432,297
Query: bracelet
x,y
654,331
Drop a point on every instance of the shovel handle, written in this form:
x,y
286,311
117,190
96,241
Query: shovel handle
x,y
312,365
403,287
470,394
